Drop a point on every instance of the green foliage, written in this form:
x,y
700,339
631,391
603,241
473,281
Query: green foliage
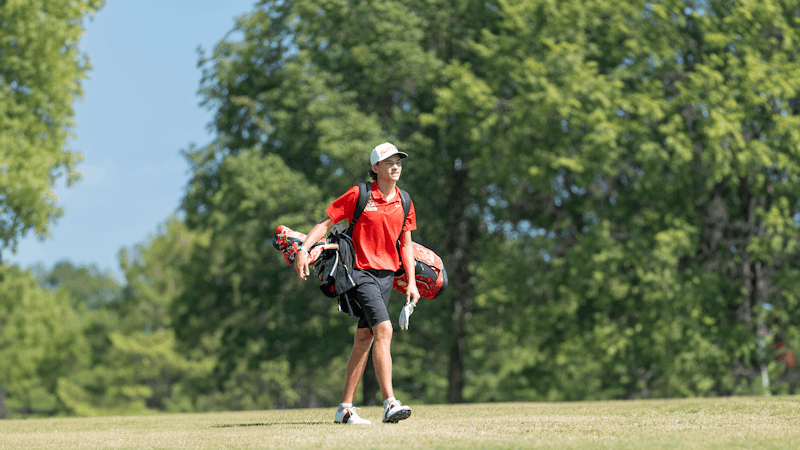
x,y
41,341
152,275
40,80
86,285
240,298
118,357
656,181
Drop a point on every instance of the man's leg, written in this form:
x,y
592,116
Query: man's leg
x,y
382,357
357,363
393,410
372,292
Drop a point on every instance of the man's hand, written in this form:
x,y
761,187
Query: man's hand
x,y
412,294
316,233
412,297
301,264
405,314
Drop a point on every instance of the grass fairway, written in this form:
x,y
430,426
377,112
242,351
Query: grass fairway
x,y
719,423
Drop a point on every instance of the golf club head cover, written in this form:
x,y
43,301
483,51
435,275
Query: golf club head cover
x,y
287,240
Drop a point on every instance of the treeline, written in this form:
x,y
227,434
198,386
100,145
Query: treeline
x,y
612,186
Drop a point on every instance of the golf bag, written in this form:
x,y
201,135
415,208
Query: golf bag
x,y
337,265
428,271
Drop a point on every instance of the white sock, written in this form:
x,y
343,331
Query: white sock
x,y
388,400
343,406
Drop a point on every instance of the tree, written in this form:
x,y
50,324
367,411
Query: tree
x,y
87,285
99,381
239,294
147,347
129,363
40,80
41,342
659,173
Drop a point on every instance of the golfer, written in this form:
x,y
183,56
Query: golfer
x,y
374,238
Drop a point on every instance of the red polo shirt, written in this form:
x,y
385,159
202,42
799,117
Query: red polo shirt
x,y
378,228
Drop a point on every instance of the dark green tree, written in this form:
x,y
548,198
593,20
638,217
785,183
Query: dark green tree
x,y
86,285
299,102
656,180
239,292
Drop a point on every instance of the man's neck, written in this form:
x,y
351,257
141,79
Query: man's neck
x,y
386,187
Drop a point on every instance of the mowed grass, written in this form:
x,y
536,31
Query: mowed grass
x,y
718,423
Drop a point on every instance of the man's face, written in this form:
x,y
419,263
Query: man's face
x,y
389,169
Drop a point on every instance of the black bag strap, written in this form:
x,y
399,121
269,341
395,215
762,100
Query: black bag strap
x,y
364,193
406,199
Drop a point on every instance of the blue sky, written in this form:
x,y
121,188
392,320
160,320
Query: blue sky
x,y
140,109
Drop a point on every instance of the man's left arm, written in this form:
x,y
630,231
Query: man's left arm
x,y
407,257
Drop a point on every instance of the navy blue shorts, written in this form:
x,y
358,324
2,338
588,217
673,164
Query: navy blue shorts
x,y
372,292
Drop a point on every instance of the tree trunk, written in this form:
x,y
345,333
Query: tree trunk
x,y
3,410
745,312
459,240
456,370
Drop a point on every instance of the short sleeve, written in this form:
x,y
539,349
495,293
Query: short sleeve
x,y
343,207
411,220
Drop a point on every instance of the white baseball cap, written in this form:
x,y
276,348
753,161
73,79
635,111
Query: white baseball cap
x,y
384,151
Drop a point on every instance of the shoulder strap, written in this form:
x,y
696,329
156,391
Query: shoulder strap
x,y
364,192
406,203
406,199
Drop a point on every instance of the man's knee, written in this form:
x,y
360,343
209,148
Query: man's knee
x,y
364,336
383,330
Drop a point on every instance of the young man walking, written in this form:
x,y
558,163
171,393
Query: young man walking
x,y
374,240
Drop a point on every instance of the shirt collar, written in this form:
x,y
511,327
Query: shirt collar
x,y
378,195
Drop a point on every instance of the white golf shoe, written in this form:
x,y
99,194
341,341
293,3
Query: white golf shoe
x,y
395,411
349,415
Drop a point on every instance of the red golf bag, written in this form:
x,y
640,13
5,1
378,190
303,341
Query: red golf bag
x,y
428,271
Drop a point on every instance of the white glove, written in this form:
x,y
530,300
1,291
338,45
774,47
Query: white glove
x,y
405,314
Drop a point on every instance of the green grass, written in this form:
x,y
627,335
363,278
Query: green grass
x,y
718,423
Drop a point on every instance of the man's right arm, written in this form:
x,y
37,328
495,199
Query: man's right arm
x,y
315,235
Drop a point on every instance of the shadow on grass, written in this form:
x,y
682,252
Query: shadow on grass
x,y
266,424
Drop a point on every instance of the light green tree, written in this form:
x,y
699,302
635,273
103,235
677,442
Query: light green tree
x,y
41,71
41,342
135,366
146,345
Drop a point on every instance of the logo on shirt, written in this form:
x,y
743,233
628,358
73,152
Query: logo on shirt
x,y
370,206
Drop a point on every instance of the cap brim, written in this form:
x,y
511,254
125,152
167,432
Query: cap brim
x,y
398,153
